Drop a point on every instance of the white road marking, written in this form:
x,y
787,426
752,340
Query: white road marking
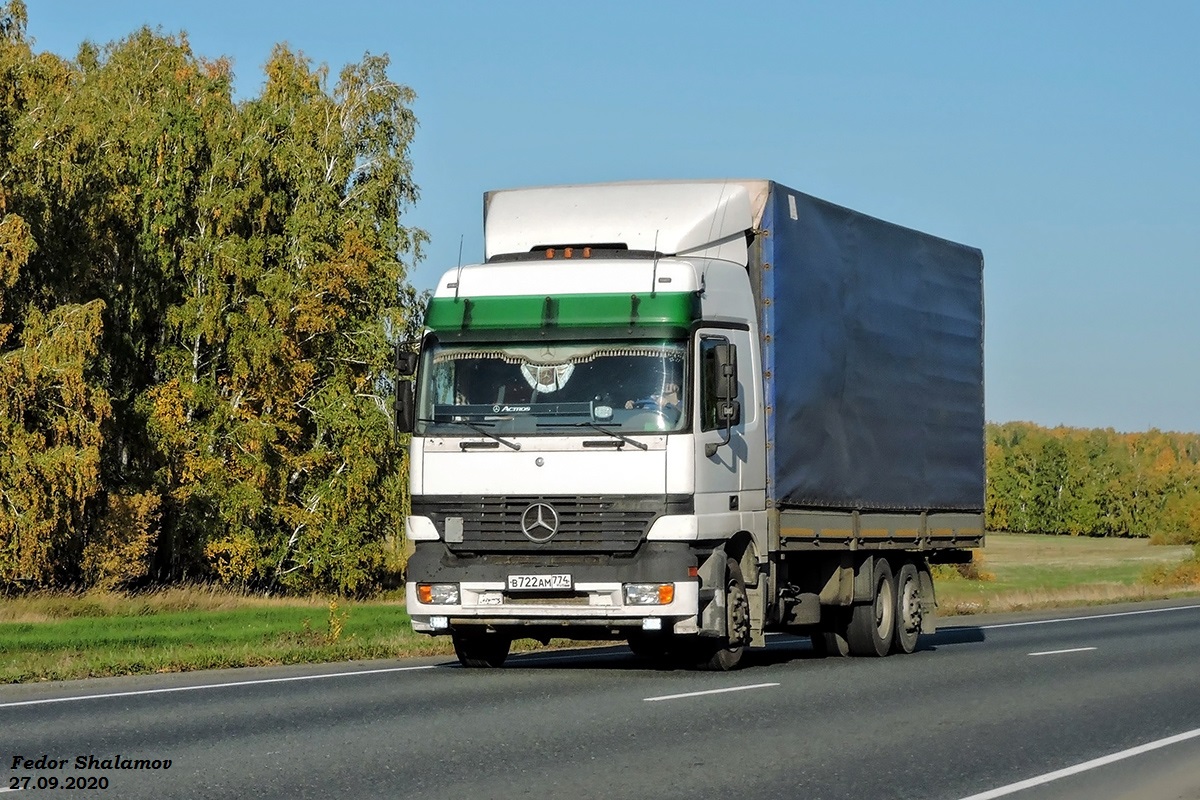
x,y
1082,619
1060,652
48,700
1084,767
709,691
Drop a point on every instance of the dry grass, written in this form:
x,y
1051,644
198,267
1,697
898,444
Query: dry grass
x,y
1029,571
1186,573
51,606
1077,552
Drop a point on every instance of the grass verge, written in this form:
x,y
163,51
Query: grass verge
x,y
63,636
59,636
1030,571
241,632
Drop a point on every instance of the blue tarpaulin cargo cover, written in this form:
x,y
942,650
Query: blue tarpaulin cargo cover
x,y
873,361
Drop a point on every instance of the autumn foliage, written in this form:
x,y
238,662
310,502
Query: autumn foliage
x,y
1093,482
198,296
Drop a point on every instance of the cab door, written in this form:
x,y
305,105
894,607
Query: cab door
x,y
720,448
733,479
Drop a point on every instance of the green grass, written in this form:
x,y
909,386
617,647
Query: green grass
x,y
47,636
256,634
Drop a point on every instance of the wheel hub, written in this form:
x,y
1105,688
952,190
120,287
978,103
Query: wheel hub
x,y
884,602
739,619
911,614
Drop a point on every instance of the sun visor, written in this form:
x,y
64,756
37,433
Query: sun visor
x,y
704,219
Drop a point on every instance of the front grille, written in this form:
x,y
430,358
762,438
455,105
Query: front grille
x,y
585,524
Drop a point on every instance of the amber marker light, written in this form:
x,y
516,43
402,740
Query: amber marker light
x,y
438,593
567,252
649,594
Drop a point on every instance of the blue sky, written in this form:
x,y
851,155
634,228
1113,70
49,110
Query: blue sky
x,y
1062,138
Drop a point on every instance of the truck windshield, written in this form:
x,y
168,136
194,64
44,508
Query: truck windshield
x,y
553,388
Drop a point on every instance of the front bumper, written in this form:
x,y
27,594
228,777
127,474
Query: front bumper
x,y
599,606
595,607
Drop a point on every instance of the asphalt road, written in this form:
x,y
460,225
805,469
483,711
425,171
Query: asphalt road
x,y
986,706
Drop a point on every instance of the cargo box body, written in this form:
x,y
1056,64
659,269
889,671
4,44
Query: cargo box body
x,y
872,347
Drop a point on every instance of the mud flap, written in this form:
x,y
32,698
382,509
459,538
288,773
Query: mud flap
x,y
712,594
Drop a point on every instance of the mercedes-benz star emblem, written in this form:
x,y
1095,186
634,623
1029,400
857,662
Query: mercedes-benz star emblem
x,y
539,522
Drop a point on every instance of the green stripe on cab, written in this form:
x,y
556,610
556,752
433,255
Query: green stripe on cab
x,y
562,311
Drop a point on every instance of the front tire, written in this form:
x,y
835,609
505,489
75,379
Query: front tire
x,y
481,651
729,654
873,624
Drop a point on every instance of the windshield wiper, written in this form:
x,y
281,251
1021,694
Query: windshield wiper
x,y
594,426
475,426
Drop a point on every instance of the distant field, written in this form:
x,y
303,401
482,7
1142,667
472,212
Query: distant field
x,y
54,637
1034,571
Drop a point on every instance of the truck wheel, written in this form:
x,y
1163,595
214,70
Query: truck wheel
x,y
728,655
829,644
481,650
873,624
830,640
908,609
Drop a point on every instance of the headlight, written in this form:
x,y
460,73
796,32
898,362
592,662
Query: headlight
x,y
649,594
445,594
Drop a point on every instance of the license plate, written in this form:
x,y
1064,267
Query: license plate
x,y
527,583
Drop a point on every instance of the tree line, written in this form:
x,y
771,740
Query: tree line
x,y
1093,482
197,299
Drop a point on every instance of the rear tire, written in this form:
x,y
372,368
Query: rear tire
x,y
908,609
481,651
830,641
873,625
830,644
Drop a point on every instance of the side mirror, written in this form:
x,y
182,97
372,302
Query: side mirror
x,y
406,361
406,367
725,358
729,410
404,407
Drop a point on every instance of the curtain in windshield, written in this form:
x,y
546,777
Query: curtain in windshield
x,y
549,388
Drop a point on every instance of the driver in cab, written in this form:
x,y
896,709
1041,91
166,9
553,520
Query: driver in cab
x,y
665,399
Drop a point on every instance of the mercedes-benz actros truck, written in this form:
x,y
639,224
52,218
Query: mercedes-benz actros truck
x,y
685,414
